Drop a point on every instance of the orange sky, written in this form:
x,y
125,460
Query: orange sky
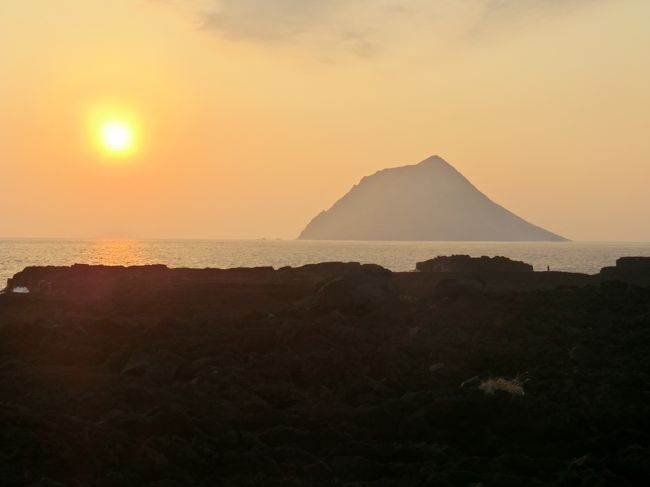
x,y
253,116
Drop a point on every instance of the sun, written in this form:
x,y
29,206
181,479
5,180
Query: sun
x,y
117,137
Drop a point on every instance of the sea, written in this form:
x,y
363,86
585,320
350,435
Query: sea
x,y
16,254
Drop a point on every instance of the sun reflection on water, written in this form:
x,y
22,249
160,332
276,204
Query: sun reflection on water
x,y
116,252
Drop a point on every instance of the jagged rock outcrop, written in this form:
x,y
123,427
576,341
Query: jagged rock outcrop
x,y
427,201
628,269
465,263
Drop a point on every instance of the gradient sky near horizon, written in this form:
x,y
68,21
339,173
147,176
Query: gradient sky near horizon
x,y
252,116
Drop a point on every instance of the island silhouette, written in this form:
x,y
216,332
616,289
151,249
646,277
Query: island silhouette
x,y
426,201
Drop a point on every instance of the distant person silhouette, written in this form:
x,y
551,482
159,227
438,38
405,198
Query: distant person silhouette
x,y
548,268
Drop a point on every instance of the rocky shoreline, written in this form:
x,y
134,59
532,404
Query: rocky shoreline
x,y
334,374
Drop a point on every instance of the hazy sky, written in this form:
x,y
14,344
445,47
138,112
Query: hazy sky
x,y
254,115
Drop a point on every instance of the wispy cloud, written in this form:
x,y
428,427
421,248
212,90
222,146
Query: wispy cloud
x,y
268,19
497,13
363,25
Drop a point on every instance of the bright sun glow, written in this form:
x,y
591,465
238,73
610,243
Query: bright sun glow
x,y
117,137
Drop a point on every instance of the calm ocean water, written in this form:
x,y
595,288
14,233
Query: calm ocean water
x,y
16,254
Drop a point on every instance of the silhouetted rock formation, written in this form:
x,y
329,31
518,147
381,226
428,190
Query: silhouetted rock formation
x,y
333,374
465,263
427,201
628,269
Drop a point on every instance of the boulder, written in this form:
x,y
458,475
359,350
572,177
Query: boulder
x,y
465,263
628,269
161,366
355,293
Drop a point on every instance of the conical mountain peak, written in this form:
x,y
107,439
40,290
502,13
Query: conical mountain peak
x,y
433,160
430,200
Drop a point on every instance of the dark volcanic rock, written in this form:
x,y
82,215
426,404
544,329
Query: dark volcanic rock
x,y
465,263
633,264
324,375
357,291
628,269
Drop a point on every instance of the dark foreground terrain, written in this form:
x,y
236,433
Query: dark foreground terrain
x,y
325,375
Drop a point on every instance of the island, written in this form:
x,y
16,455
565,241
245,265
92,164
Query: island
x,y
429,201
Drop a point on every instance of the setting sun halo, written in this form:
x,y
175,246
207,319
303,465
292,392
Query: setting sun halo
x,y
117,137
